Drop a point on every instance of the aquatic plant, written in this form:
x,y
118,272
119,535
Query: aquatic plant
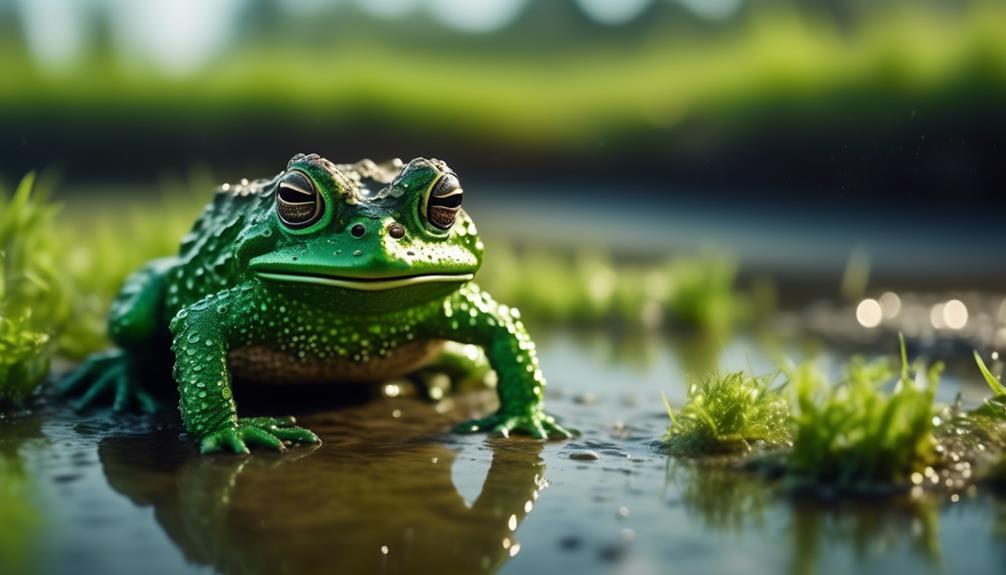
x,y
34,301
729,413
995,406
24,359
855,433
987,424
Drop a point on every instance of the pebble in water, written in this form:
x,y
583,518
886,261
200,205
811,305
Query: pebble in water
x,y
585,455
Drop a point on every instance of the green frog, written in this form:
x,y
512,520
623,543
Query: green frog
x,y
325,273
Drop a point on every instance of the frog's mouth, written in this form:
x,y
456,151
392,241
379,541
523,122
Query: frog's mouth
x,y
359,283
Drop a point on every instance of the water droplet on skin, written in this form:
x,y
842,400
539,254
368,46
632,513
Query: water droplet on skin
x,y
193,338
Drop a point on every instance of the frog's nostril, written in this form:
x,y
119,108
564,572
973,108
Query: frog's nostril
x,y
396,231
358,230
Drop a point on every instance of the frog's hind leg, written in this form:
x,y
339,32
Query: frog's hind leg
x,y
136,325
458,366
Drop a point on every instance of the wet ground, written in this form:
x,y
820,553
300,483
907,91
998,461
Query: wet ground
x,y
391,490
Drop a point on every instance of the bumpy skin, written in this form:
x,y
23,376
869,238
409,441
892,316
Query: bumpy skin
x,y
313,276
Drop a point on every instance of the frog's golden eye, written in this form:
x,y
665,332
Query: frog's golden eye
x,y
298,203
444,202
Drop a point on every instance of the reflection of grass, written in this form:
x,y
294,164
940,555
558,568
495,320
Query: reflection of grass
x,y
728,413
20,519
854,432
870,529
724,497
34,301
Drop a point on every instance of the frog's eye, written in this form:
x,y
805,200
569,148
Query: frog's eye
x,y
298,203
444,202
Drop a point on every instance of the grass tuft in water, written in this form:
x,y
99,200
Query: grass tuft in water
x,y
855,433
34,300
995,406
729,413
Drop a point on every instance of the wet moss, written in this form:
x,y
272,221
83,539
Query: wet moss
x,y
729,413
872,426
34,299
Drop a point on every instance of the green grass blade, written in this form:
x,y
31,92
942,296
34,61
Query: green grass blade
x,y
997,386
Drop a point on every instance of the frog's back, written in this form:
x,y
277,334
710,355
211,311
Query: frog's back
x,y
205,262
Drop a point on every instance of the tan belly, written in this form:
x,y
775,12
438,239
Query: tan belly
x,y
264,365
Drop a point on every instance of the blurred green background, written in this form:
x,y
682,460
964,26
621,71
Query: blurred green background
x,y
859,99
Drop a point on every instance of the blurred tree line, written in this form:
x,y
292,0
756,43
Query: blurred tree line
x,y
879,99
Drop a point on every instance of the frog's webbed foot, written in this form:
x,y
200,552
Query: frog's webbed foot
x,y
269,432
537,424
103,374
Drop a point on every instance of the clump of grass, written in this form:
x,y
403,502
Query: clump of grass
x,y
24,359
727,414
35,303
995,406
989,419
855,433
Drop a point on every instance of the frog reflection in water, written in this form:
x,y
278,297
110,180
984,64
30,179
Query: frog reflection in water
x,y
357,505
313,277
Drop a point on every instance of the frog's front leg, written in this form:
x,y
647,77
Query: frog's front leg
x,y
472,316
203,334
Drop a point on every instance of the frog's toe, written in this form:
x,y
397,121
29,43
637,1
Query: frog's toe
x,y
270,422
477,425
260,437
107,374
536,425
101,384
273,432
223,440
127,393
88,371
296,435
556,431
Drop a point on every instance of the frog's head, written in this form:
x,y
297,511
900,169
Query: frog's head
x,y
400,245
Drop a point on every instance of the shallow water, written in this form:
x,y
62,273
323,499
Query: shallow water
x,y
391,490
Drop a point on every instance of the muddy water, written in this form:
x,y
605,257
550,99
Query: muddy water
x,y
390,490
